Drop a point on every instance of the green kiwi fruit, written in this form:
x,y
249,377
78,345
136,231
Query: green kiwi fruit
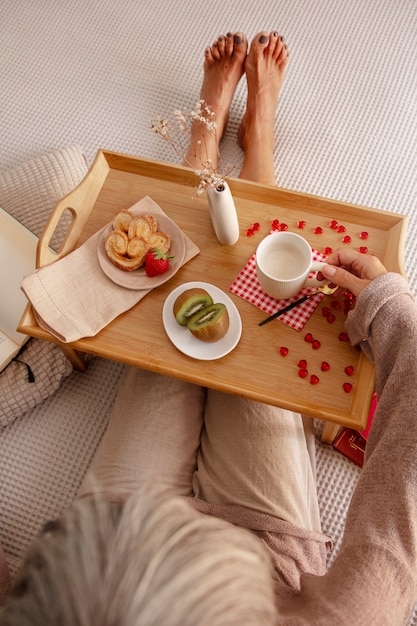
x,y
189,303
210,324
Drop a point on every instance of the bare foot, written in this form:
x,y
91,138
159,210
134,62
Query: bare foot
x,y
224,65
265,68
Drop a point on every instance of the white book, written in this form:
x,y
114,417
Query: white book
x,y
17,258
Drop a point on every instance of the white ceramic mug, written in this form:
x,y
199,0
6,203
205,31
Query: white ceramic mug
x,y
284,261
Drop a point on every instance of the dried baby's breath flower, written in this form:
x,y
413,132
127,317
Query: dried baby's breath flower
x,y
177,134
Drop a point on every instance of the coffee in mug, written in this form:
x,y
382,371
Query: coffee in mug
x,y
284,261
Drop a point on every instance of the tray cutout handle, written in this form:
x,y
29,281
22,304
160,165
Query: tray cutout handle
x,y
70,214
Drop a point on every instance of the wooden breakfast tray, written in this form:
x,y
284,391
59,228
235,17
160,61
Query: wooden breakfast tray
x,y
255,368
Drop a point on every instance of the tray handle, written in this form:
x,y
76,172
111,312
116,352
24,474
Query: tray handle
x,y
79,203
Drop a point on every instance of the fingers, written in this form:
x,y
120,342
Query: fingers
x,y
351,269
343,278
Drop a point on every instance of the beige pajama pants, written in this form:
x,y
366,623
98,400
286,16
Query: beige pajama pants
x,y
184,439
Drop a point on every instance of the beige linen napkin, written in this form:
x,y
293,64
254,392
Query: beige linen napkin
x,y
74,298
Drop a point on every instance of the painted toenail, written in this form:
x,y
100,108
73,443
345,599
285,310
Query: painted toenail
x,y
263,39
275,34
237,39
228,35
282,38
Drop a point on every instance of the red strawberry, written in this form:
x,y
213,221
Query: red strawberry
x,y
156,262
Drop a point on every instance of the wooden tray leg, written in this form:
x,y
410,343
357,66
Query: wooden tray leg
x,y
329,433
74,357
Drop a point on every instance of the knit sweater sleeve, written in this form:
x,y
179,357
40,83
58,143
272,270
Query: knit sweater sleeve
x,y
373,579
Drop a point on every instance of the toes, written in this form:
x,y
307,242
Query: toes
x,y
278,47
235,44
208,55
281,51
262,39
240,43
259,42
273,42
229,44
215,51
221,44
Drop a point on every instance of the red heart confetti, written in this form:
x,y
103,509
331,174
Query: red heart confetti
x,y
341,229
308,338
314,379
325,311
325,366
328,250
302,373
349,302
331,318
283,227
316,344
363,249
347,239
302,363
318,230
275,224
283,351
334,224
301,224
364,235
343,337
347,387
349,370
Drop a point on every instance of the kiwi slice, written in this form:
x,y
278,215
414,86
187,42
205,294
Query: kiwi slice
x,y
189,303
210,324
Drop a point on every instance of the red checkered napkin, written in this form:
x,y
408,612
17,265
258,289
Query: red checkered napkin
x,y
246,286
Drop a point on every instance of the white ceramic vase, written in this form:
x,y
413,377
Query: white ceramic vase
x,y
223,213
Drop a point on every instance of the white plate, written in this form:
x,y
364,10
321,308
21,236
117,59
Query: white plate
x,y
138,279
186,342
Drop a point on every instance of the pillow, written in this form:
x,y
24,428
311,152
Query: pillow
x,y
29,193
32,376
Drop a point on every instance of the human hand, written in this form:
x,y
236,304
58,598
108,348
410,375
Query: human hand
x,y
352,270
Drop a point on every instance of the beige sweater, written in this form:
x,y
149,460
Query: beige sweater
x,y
373,579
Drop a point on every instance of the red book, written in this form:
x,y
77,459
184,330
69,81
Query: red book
x,y
351,443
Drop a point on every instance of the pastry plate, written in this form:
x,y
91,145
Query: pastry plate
x,y
138,279
186,342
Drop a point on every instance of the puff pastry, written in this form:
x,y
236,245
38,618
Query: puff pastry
x,y
142,227
122,221
159,240
126,255
131,239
